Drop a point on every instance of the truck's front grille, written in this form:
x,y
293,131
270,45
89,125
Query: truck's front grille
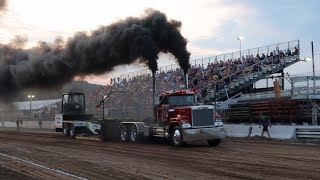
x,y
202,117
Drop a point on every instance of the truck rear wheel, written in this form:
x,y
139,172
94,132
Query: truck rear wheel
x,y
124,134
66,129
176,137
73,131
214,142
134,135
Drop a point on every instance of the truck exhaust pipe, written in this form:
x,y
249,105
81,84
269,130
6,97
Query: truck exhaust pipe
x,y
186,81
154,95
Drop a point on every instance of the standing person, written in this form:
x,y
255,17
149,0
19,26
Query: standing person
x,y
265,122
18,124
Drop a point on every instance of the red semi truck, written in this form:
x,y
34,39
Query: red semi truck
x,y
178,118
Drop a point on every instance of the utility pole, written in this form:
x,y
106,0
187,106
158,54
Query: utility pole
x,y
31,96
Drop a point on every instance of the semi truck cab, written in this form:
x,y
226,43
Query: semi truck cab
x,y
185,121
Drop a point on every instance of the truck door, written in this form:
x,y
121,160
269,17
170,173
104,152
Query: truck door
x,y
164,114
163,111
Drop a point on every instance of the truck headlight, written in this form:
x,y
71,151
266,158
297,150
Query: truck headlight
x,y
185,124
218,122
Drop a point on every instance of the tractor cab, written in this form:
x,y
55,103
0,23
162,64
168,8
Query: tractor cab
x,y
73,104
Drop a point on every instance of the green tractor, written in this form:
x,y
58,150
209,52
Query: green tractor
x,y
74,119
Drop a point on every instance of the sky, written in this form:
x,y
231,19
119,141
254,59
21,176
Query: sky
x,y
211,26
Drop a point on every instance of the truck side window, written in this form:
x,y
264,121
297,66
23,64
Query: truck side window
x,y
163,100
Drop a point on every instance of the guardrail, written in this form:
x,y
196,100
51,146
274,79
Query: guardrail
x,y
307,133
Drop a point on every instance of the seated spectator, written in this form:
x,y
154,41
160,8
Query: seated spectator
x,y
296,51
288,52
247,57
277,61
282,55
267,61
246,70
255,67
257,56
271,54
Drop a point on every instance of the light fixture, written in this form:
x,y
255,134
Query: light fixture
x,y
31,96
308,59
240,38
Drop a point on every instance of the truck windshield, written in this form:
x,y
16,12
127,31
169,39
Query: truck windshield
x,y
77,98
182,100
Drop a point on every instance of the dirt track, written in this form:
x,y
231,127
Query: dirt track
x,y
233,159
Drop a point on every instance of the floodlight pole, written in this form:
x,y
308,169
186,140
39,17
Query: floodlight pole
x,y
314,114
239,38
313,70
154,95
240,49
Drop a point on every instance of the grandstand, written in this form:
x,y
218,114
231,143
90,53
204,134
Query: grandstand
x,y
219,79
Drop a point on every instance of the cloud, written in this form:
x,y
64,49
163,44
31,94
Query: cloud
x,y
204,52
201,19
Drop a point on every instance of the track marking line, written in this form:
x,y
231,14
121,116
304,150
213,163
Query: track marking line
x,y
44,167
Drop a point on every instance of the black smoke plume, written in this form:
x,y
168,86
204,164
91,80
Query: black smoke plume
x,y
53,64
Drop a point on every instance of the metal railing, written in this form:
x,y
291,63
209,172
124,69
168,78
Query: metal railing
x,y
307,83
254,68
307,133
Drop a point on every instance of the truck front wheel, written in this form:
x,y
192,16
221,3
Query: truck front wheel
x,y
214,142
124,133
176,137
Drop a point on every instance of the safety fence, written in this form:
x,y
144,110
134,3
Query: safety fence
x,y
32,124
